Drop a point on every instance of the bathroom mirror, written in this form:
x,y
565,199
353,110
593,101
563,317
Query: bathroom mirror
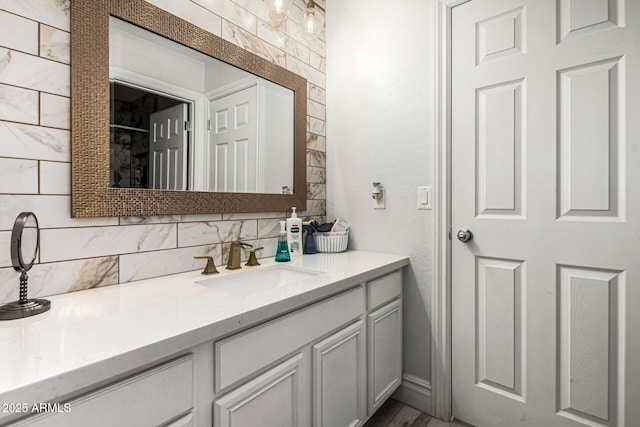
x,y
25,241
264,176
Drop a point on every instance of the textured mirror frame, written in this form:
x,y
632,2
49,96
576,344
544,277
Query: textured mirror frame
x,y
92,195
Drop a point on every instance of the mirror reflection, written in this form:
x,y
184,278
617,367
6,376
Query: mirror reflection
x,y
29,242
193,122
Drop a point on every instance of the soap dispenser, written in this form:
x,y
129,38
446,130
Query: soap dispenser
x,y
282,252
294,234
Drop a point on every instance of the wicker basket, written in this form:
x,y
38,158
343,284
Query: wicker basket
x,y
334,241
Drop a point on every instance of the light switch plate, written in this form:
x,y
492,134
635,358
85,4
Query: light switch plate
x,y
424,197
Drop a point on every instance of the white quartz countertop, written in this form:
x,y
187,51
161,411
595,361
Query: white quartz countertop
x,y
90,337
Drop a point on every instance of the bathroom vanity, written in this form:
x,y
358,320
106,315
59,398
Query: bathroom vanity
x,y
317,341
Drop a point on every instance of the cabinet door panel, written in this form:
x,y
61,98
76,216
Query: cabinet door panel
x,y
385,353
338,378
272,399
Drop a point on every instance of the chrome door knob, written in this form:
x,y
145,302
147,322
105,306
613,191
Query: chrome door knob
x,y
464,235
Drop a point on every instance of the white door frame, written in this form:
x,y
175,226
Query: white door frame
x,y
441,373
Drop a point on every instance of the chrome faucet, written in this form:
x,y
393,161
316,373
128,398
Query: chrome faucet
x,y
233,263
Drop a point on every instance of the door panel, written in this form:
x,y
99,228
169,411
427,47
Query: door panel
x,y
545,143
168,159
233,147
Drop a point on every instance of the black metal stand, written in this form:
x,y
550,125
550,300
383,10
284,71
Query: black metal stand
x,y
24,307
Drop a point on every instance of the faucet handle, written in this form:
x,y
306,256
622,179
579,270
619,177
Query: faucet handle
x,y
253,261
210,267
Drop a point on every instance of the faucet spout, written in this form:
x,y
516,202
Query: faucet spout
x,y
233,263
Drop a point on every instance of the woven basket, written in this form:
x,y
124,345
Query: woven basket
x,y
334,241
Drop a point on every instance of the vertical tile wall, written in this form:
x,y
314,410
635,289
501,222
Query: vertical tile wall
x,y
35,152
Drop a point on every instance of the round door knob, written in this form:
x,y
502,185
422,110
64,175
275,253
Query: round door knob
x,y
464,235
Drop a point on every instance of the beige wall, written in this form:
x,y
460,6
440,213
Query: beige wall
x,y
35,152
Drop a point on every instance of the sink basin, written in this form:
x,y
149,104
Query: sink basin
x,y
246,281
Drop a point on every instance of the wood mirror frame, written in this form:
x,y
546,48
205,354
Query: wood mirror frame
x,y
92,195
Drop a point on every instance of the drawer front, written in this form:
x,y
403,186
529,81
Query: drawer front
x,y
241,355
152,397
384,289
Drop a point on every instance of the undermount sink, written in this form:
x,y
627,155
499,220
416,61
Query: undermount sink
x,y
259,280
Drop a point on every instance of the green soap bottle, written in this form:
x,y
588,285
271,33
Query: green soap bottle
x,y
282,253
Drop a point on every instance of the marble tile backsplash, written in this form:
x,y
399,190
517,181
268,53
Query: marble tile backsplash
x,y
35,145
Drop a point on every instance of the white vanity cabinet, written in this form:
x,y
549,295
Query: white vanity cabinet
x,y
160,396
331,364
384,325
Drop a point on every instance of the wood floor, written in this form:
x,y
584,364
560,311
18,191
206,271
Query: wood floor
x,y
396,414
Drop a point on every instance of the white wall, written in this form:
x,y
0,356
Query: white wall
x,y
380,90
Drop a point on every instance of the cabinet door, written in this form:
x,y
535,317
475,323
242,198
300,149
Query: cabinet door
x,y
272,399
338,378
385,353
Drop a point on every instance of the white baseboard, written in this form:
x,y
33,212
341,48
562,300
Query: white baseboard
x,y
415,392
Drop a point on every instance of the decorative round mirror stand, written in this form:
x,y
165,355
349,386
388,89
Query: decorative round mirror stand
x,y
25,240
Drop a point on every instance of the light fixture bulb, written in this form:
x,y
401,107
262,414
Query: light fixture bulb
x,y
312,21
279,10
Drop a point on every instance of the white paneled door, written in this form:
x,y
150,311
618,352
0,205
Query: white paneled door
x,y
546,178
233,145
168,148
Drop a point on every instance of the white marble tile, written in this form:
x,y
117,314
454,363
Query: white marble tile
x,y
18,104
5,249
160,263
318,62
55,111
202,217
61,277
317,191
52,212
193,13
316,159
316,175
206,233
18,33
55,44
250,42
21,69
55,178
317,126
316,93
34,142
18,176
133,220
317,110
77,243
311,74
242,216
229,11
315,209
56,13
258,8
279,39
316,142
269,227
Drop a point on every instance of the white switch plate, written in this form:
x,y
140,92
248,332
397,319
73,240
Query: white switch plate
x,y
424,198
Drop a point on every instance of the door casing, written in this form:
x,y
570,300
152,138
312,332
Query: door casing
x,y
441,368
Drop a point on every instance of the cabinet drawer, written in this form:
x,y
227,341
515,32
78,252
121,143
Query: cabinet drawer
x,y
384,289
152,397
241,355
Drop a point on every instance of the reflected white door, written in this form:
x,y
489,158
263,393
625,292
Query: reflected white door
x,y
546,175
233,147
168,149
